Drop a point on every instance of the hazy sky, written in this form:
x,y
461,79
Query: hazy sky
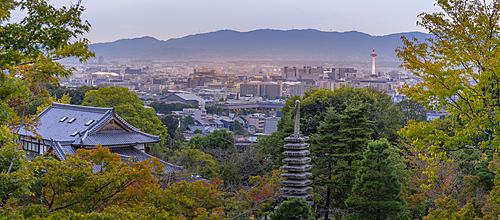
x,y
164,19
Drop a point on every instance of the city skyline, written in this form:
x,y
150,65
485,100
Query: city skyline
x,y
113,20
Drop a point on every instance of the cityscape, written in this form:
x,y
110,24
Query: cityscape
x,y
158,110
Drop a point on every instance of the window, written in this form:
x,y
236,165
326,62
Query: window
x,y
89,123
63,119
72,120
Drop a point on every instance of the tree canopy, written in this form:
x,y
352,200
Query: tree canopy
x,y
460,73
30,49
293,209
217,139
376,194
382,111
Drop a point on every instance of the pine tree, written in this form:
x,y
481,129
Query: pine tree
x,y
336,149
376,194
293,209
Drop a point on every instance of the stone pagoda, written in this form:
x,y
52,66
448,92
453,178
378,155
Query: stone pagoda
x,y
297,183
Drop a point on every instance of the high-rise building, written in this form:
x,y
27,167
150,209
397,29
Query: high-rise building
x,y
342,73
305,72
101,60
273,90
249,89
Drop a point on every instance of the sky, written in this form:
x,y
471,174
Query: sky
x,y
164,19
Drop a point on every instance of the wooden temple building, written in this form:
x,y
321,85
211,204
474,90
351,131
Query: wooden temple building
x,y
64,128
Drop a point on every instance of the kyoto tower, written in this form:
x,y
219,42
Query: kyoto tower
x,y
373,63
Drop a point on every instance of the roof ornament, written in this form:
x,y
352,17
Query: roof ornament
x,y
297,118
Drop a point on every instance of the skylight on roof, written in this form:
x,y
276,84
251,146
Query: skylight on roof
x,y
89,123
72,120
63,119
74,134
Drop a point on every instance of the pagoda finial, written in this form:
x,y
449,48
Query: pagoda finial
x,y
297,118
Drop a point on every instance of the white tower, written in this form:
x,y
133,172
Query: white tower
x,y
374,74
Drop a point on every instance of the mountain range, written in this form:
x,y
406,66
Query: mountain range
x,y
263,44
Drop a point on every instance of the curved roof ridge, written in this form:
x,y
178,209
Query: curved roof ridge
x,y
80,108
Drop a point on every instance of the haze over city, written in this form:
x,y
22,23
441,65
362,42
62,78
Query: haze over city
x,y
112,20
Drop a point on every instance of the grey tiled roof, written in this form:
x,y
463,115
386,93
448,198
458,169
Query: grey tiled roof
x,y
109,138
196,127
61,149
50,126
188,96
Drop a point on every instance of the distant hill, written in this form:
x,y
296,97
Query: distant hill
x,y
262,44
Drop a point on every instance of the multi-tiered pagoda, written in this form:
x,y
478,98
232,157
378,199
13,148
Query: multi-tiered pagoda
x,y
297,182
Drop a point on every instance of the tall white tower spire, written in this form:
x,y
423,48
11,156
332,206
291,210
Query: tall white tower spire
x,y
373,62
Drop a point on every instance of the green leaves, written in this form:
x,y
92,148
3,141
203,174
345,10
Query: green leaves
x,y
376,194
293,209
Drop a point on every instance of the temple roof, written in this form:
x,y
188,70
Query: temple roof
x,y
83,125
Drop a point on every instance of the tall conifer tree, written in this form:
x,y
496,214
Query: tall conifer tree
x,y
336,150
376,194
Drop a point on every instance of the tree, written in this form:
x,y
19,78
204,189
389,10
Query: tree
x,y
447,209
214,110
188,120
382,111
460,73
163,108
337,150
412,110
195,161
77,184
30,49
293,209
376,194
218,139
172,123
16,177
237,128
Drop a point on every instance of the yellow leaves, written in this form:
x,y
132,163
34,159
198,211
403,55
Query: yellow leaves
x,y
65,99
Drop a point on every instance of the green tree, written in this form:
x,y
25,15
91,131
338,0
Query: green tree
x,y
218,139
460,73
337,150
16,177
193,161
382,111
293,209
188,120
30,49
237,128
412,110
163,108
447,209
214,110
172,123
376,194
